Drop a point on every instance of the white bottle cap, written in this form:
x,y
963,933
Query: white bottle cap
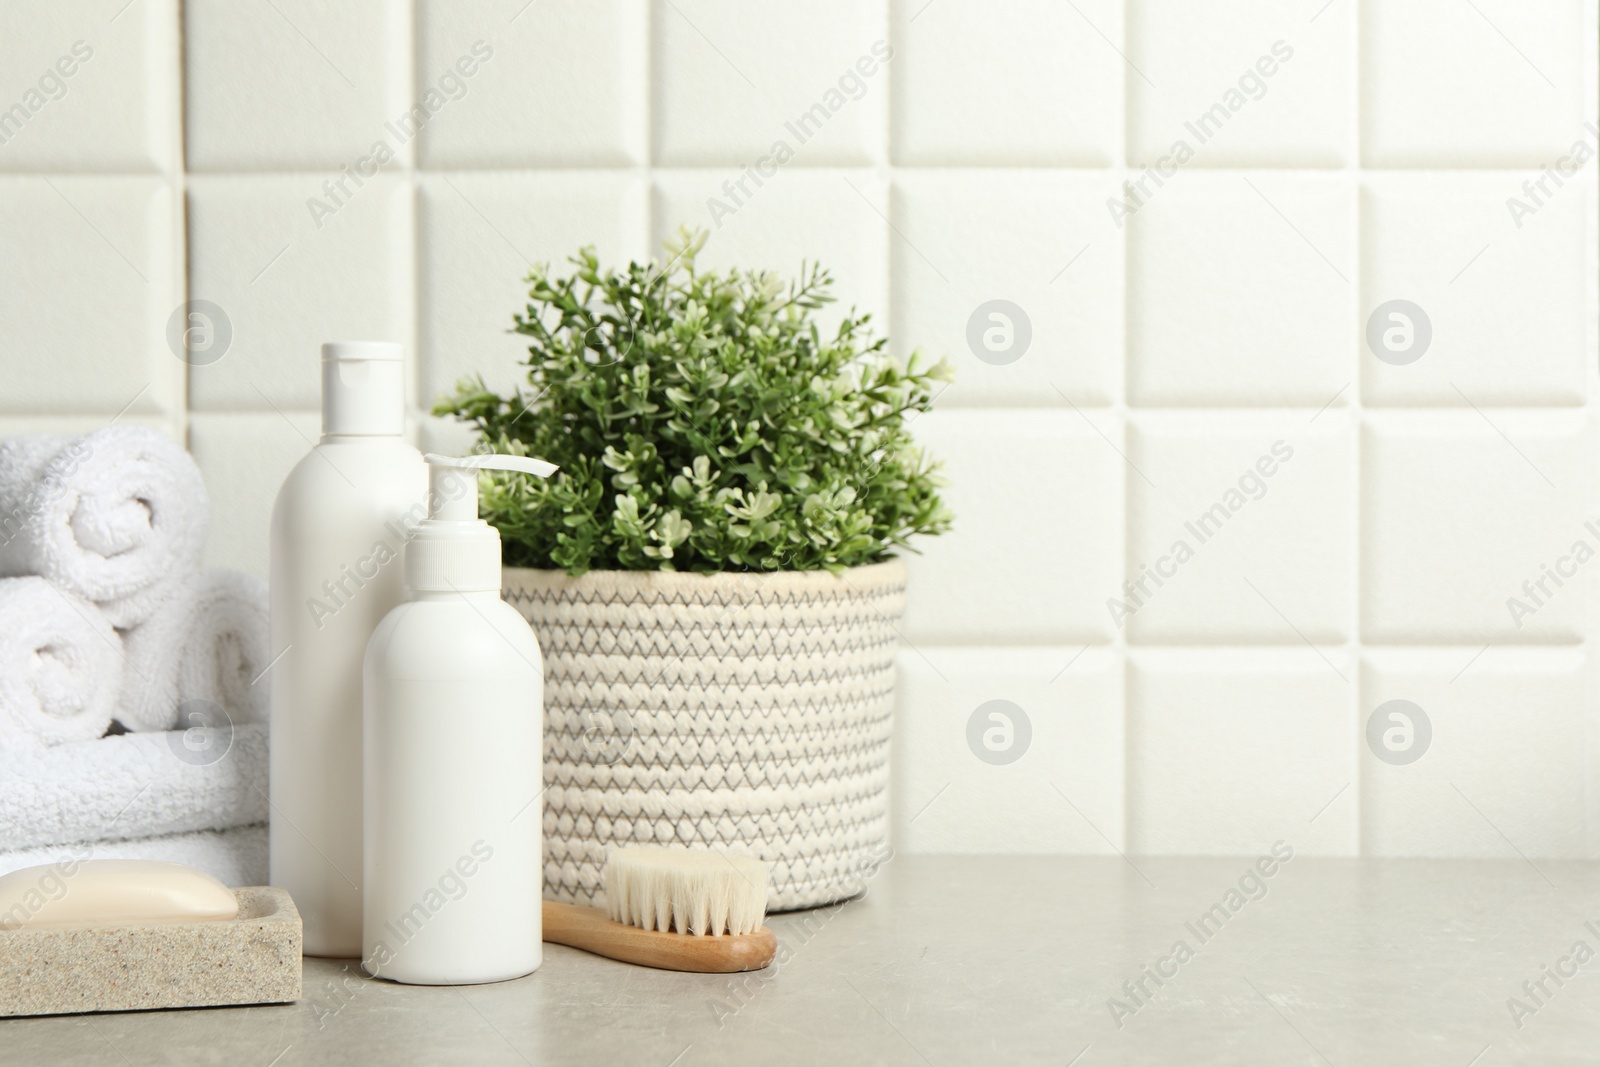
x,y
363,389
452,549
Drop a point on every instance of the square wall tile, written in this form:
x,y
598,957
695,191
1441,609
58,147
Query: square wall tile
x,y
1230,750
479,235
837,217
734,80
296,84
1240,83
1493,83
288,282
1502,298
1009,751
570,72
1038,241
1240,529
1465,516
1239,290
1034,552
89,87
1503,752
984,84
86,288
244,459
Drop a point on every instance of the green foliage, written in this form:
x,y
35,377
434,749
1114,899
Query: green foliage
x,y
702,422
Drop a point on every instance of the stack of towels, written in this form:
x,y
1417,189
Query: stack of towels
x,y
133,701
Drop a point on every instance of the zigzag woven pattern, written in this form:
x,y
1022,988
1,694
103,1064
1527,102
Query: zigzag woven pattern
x,y
745,712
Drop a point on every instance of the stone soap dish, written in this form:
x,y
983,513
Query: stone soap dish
x,y
252,958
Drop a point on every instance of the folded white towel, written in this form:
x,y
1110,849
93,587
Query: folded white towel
x,y
60,666
112,515
234,857
207,642
135,785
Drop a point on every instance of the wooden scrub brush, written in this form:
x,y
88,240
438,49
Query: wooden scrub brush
x,y
673,908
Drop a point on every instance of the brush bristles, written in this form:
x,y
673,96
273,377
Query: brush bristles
x,y
690,892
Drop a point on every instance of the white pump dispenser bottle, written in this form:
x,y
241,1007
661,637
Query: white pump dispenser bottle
x,y
338,526
453,767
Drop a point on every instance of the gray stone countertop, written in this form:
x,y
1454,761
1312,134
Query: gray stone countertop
x,y
976,960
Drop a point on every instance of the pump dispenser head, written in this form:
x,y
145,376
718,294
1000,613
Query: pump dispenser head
x,y
447,500
452,549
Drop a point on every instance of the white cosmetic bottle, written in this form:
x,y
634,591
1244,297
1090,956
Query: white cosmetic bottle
x,y
453,756
338,529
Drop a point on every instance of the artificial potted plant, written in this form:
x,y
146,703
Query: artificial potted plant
x,y
711,573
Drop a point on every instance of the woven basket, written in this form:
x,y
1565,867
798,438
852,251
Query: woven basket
x,y
747,712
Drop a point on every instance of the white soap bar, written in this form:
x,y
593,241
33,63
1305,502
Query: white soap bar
x,y
98,892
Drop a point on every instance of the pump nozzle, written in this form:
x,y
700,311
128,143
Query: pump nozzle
x,y
452,504
452,550
495,461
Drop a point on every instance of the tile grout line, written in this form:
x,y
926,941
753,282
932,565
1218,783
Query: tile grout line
x,y
889,167
1121,412
1591,106
179,169
1358,423
408,18
647,112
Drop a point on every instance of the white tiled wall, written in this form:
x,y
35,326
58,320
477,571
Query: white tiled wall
x,y
1357,152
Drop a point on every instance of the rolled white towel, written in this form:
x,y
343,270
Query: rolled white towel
x,y
207,642
135,785
60,666
114,515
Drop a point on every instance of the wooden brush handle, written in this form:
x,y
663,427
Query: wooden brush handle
x,y
594,931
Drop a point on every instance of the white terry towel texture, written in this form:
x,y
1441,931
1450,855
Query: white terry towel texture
x,y
132,786
60,666
114,515
206,642
235,857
